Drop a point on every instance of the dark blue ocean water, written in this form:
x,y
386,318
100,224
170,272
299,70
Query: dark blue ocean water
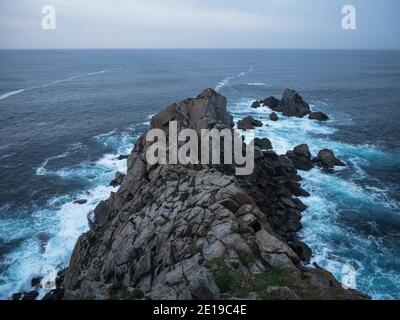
x,y
65,115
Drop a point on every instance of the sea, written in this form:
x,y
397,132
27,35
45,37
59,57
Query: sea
x,y
66,116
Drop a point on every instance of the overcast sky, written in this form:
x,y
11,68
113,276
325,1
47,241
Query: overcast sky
x,y
200,24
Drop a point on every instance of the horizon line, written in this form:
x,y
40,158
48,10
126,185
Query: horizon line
x,y
210,48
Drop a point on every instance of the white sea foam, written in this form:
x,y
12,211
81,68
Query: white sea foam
x,y
63,225
41,171
62,219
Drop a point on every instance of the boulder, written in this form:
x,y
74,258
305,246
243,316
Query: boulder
x,y
326,159
263,144
248,123
273,117
301,157
320,116
302,250
256,104
293,105
123,157
271,102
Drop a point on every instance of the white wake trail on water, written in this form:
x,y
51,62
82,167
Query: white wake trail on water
x,y
257,84
226,82
15,92
9,94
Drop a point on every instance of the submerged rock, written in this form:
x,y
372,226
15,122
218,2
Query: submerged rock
x,y
248,123
35,282
301,157
43,239
80,201
273,117
320,116
326,159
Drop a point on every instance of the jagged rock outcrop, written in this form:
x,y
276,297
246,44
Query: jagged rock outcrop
x,y
301,157
248,123
318,115
326,159
198,231
293,105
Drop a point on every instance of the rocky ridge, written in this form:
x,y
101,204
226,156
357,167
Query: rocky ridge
x,y
199,232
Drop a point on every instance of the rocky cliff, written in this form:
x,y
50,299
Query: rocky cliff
x,y
199,232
